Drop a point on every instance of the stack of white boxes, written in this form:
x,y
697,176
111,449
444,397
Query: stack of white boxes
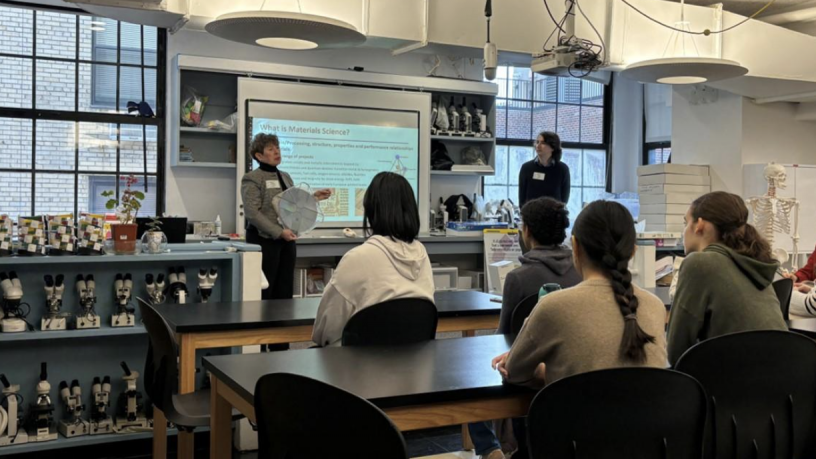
x,y
666,190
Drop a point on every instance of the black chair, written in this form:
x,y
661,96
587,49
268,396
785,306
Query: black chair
x,y
186,411
762,393
521,312
784,291
619,413
404,321
299,417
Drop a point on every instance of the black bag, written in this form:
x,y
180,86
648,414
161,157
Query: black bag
x,y
440,161
452,206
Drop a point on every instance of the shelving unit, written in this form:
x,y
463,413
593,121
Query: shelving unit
x,y
206,165
457,138
87,440
463,173
205,131
37,335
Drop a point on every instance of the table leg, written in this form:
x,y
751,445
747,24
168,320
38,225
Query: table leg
x,y
159,434
220,423
467,443
187,361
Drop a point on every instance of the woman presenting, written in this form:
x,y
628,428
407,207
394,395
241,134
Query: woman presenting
x,y
258,189
546,175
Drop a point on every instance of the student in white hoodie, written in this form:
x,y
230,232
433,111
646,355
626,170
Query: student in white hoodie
x,y
391,264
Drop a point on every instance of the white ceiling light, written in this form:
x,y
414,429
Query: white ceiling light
x,y
683,64
285,30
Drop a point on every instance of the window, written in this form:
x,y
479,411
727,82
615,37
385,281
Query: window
x,y
67,78
657,118
574,108
657,153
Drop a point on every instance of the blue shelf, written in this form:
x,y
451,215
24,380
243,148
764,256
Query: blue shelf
x,y
77,259
62,442
39,335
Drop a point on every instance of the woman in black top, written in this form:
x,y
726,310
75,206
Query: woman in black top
x,y
546,175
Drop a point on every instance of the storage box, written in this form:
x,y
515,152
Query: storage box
x,y
445,277
499,271
474,278
671,198
665,209
674,179
683,169
666,189
662,219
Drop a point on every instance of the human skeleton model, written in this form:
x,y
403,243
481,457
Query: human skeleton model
x,y
775,214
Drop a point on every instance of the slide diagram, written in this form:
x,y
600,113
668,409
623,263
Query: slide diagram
x,y
337,205
359,195
398,167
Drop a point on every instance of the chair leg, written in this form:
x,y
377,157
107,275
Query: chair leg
x,y
159,434
467,443
186,445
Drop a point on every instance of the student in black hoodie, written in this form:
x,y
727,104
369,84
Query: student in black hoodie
x,y
545,222
544,229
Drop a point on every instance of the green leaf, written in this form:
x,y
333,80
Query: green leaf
x,y
107,193
136,204
110,204
139,195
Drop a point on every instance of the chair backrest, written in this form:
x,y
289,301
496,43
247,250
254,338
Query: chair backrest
x,y
762,393
619,413
161,369
784,291
299,417
403,321
521,312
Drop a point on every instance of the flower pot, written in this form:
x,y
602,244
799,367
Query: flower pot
x,y
154,242
124,238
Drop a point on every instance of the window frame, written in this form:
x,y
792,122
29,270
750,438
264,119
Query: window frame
x,y
76,116
606,137
648,146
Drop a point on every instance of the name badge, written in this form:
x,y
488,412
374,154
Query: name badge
x,y
538,175
270,184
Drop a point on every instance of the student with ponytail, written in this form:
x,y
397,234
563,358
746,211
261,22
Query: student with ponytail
x,y
603,322
724,285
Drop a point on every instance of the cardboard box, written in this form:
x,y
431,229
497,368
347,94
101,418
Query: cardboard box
x,y
665,209
674,179
671,198
683,169
666,189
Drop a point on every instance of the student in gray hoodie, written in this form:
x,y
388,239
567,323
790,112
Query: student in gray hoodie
x,y
724,285
544,229
547,261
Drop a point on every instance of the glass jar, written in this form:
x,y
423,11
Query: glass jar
x,y
154,242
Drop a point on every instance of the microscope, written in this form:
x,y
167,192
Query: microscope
x,y
130,411
74,425
101,423
10,431
178,285
13,315
125,316
206,282
41,414
155,289
87,300
54,319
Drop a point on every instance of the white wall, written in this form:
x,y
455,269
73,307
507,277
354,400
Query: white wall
x,y
773,134
709,133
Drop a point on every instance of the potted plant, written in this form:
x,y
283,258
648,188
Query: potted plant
x,y
154,240
124,233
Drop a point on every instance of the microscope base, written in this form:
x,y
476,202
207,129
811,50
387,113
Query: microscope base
x,y
41,435
88,321
139,423
56,323
13,325
74,429
102,427
19,439
124,319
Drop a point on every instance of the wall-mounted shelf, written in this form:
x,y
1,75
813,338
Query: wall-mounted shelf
x,y
464,173
38,335
62,442
456,138
206,165
205,131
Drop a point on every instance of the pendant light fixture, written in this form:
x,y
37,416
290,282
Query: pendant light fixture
x,y
681,62
285,30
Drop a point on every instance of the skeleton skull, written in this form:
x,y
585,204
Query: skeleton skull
x,y
775,175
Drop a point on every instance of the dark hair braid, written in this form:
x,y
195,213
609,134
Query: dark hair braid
x,y
605,231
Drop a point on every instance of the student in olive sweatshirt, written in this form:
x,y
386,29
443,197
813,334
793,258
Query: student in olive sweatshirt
x,y
724,285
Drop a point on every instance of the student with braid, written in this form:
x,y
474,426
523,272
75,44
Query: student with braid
x,y
724,285
603,322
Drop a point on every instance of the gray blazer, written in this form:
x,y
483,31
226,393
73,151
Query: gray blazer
x,y
258,188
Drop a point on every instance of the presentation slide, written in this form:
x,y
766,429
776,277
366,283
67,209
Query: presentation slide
x,y
340,148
